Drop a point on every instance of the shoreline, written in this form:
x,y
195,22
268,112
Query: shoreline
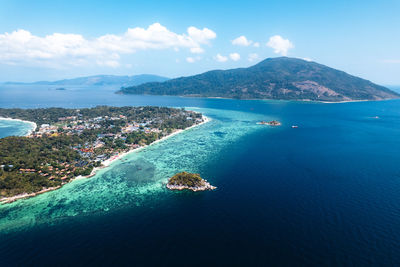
x,y
349,101
7,200
104,164
206,186
273,99
33,124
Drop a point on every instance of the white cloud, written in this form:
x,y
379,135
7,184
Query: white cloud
x,y
256,44
190,60
221,58
201,36
242,41
23,48
307,59
280,45
234,56
252,57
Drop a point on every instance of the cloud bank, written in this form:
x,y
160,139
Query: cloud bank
x,y
21,47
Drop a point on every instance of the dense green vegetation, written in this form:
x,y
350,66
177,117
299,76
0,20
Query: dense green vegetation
x,y
46,155
186,179
273,78
74,141
53,115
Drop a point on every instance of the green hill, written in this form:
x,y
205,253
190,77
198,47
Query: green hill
x,y
273,78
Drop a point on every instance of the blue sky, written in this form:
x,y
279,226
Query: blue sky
x,y
49,40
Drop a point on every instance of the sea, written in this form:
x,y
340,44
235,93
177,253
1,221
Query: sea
x,y
14,128
326,193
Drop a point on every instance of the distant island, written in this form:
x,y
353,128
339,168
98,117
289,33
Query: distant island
x,y
189,181
271,123
68,143
274,78
102,80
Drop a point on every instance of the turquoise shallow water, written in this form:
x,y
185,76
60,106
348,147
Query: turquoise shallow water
x,y
16,128
326,193
138,175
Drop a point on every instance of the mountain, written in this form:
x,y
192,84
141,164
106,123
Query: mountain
x,y
273,78
104,80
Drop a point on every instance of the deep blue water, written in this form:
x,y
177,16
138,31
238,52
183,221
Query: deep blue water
x,y
326,193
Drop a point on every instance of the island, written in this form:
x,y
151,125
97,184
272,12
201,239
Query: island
x,y
100,80
189,181
273,78
271,123
69,143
